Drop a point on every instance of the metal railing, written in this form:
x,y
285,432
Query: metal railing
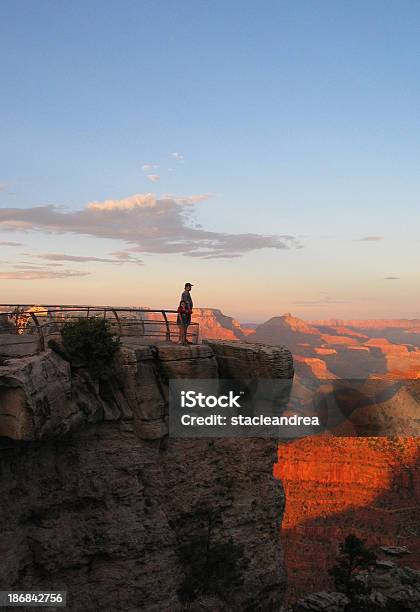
x,y
46,320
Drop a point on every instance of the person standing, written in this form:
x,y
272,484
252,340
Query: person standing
x,y
182,321
186,297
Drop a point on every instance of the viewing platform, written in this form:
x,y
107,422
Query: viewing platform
x,y
25,329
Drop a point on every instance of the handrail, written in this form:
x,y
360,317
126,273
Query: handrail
x,y
118,320
84,306
46,318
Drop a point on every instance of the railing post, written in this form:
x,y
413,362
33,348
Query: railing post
x,y
39,329
118,321
168,329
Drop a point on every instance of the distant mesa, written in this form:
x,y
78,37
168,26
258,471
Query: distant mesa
x,y
215,325
287,330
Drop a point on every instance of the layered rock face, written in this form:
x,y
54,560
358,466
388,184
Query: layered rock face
x,y
215,325
288,330
252,362
337,486
98,500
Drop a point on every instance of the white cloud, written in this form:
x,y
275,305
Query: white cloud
x,y
178,156
126,257
139,200
148,167
146,223
153,177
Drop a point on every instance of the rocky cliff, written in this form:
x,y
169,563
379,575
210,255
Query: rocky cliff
x,y
335,486
98,500
215,325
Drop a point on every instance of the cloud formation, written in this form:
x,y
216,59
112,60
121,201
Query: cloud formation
x,y
3,186
178,156
147,224
120,257
370,239
148,167
8,243
39,274
392,278
153,177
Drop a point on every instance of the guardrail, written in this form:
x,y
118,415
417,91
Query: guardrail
x,y
149,325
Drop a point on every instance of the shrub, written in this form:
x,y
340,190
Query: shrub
x,y
354,557
89,343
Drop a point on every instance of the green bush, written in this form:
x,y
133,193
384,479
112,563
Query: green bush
x,y
89,343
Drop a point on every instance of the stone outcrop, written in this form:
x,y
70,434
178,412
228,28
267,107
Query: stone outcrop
x,y
98,500
392,588
13,345
239,360
322,602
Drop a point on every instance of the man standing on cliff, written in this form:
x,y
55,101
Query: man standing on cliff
x,y
186,297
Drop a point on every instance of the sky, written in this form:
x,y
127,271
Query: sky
x,y
268,153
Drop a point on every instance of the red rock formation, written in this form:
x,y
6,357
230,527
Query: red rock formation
x,y
368,323
215,325
345,331
335,486
335,339
325,351
313,367
288,330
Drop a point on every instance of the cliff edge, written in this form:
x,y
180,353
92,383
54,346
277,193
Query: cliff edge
x,y
98,500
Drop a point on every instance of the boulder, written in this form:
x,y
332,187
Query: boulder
x,y
395,551
322,602
14,345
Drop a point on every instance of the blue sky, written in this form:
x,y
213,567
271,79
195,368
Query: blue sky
x,y
296,119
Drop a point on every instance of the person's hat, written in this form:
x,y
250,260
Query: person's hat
x,y
188,285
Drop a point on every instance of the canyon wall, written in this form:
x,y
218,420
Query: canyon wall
x,y
337,486
98,500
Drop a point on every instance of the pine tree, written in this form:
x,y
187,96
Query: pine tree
x,y
353,558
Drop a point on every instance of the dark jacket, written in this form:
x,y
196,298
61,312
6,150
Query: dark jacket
x,y
186,297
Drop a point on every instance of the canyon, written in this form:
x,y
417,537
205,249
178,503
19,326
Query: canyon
x,y
337,485
333,485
